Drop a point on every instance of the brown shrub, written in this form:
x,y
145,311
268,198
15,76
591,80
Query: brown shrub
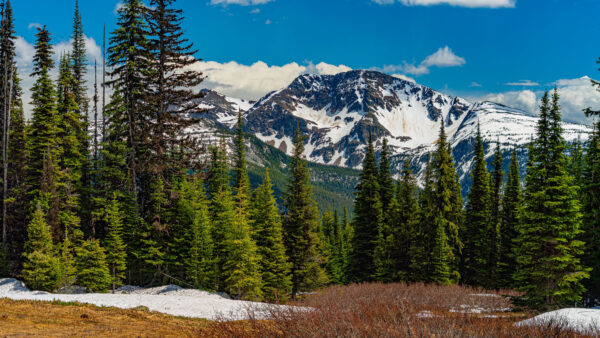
x,y
392,310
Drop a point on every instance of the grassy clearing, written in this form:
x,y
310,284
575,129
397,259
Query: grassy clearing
x,y
58,319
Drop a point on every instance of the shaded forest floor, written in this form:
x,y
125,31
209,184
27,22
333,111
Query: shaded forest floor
x,y
364,310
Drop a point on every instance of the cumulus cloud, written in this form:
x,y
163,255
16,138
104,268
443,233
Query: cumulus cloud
x,y
443,57
523,83
458,3
239,2
254,81
575,95
404,77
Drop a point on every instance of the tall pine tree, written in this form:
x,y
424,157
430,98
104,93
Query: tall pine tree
x,y
548,247
300,223
511,204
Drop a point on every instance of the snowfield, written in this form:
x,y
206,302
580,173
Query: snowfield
x,y
583,321
170,299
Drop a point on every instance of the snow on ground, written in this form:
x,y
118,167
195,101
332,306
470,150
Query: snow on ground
x,y
584,321
170,299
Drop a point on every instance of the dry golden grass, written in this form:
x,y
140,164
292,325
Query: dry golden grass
x,y
44,319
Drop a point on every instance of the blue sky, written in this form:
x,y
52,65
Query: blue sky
x,y
505,50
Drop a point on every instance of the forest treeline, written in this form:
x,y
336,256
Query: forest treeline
x,y
129,198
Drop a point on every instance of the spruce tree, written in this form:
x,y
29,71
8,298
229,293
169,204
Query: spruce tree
x,y
130,62
447,204
16,200
478,226
590,196
42,267
116,249
78,63
198,259
300,222
7,84
44,127
548,249
367,222
511,204
172,90
92,270
268,234
385,179
497,176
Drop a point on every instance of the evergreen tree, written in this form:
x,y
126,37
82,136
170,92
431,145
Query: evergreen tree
x,y
478,226
497,176
130,62
300,222
548,249
68,274
171,92
268,234
44,128
78,63
116,249
577,163
16,200
407,231
385,179
42,268
367,222
447,204
590,196
92,270
511,203
441,255
7,75
198,259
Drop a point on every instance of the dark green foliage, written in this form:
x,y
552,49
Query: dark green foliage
x,y
385,179
497,176
92,270
42,268
196,243
446,210
300,222
42,145
476,234
511,204
268,234
590,194
116,250
367,222
548,248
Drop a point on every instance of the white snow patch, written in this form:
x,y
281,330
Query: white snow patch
x,y
170,299
584,321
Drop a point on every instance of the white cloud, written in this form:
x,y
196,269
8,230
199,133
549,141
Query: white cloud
x,y
254,81
458,3
443,57
575,95
475,85
524,100
523,83
239,2
34,25
404,77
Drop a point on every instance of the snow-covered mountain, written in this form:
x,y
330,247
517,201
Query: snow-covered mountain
x,y
338,112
